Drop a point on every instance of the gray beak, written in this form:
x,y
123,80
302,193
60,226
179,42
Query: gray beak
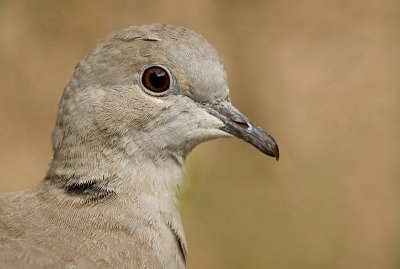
x,y
240,126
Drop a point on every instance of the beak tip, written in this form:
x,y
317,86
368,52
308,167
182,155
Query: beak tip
x,y
274,151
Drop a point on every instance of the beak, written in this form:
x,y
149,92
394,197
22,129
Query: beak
x,y
237,124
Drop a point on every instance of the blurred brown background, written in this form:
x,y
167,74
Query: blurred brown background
x,y
321,76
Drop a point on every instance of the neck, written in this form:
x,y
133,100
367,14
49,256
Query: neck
x,y
123,168
144,187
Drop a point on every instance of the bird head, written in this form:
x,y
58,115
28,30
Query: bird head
x,y
161,87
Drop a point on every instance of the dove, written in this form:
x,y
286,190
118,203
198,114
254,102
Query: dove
x,y
133,109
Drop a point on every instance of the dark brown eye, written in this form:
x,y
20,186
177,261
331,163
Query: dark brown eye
x,y
156,79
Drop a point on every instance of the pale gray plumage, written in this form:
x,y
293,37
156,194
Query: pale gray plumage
x,y
110,197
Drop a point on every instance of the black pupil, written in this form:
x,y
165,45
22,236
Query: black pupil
x,y
158,78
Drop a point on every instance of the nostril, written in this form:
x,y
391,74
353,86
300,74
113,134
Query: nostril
x,y
234,116
242,124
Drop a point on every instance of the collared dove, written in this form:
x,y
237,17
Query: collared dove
x,y
135,106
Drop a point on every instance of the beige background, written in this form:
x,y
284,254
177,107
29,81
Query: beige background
x,y
321,76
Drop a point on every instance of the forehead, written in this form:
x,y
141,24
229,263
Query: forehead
x,y
194,63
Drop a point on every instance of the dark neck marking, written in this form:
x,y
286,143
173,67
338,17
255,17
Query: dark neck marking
x,y
92,189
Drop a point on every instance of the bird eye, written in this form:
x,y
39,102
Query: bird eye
x,y
156,79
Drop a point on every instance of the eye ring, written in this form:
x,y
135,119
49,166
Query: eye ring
x,y
156,79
